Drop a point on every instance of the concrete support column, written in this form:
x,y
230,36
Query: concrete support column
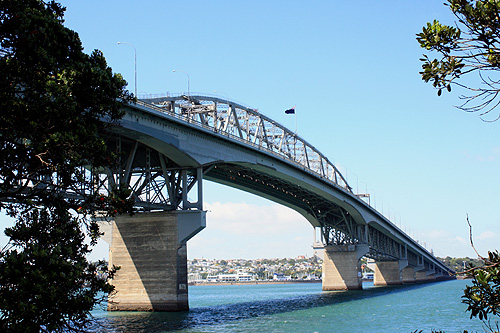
x,y
151,250
431,277
408,274
421,276
386,273
341,267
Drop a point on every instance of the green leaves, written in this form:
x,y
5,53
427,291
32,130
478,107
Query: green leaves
x,y
472,46
53,98
443,39
441,72
45,279
438,37
483,297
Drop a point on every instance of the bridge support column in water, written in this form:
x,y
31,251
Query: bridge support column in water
x,y
408,274
342,268
387,273
421,275
151,250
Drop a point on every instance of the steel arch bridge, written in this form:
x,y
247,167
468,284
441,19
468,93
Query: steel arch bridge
x,y
168,145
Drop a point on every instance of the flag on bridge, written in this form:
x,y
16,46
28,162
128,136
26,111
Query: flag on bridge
x,y
290,111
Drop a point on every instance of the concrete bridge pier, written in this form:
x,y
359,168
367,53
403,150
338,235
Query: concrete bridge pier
x,y
424,272
421,275
386,273
408,275
393,273
342,268
151,250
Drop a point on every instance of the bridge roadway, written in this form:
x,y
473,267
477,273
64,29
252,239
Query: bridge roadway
x,y
168,145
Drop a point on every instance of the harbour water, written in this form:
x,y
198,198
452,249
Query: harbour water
x,y
305,307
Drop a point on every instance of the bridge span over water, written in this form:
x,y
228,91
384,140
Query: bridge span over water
x,y
168,145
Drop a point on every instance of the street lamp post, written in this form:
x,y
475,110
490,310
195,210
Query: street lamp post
x,y
135,66
176,70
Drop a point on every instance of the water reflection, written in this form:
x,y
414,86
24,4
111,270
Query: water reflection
x,y
200,317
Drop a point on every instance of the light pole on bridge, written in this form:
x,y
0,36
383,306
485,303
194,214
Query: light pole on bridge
x,y
135,66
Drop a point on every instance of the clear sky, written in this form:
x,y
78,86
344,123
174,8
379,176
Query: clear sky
x,y
351,70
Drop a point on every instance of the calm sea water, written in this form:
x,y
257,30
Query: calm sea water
x,y
305,308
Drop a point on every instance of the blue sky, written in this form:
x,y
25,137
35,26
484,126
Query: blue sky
x,y
351,70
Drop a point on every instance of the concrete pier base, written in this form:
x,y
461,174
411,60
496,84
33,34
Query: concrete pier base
x,y
342,268
151,250
408,275
421,276
386,273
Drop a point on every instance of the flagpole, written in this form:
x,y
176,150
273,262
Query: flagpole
x,y
292,110
295,113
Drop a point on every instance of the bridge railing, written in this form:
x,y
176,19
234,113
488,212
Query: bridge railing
x,y
247,125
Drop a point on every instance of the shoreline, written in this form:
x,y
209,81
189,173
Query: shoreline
x,y
237,283
228,283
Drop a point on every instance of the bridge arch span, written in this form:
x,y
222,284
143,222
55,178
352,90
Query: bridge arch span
x,y
169,147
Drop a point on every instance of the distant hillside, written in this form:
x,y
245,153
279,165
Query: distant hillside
x,y
457,264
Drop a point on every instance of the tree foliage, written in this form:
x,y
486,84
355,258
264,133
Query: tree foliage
x,y
55,103
483,297
473,46
48,285
470,47
459,265
53,98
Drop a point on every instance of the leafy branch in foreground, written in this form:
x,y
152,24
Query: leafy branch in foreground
x,y
55,104
47,282
472,46
483,297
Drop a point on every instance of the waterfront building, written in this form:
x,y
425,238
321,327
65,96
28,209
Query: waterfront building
x,y
246,277
227,277
194,277
280,277
212,278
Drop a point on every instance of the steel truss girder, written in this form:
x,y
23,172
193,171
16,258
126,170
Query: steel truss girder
x,y
155,181
250,126
383,247
339,228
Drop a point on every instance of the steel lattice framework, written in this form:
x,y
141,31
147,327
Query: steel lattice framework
x,y
156,183
248,125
